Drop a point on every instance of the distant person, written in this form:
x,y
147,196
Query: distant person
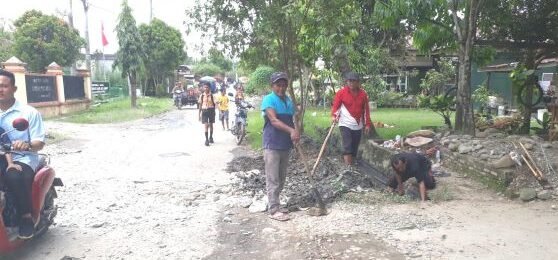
x,y
350,109
223,102
178,86
279,134
239,96
207,111
409,165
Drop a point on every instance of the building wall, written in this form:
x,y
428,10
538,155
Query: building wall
x,y
500,82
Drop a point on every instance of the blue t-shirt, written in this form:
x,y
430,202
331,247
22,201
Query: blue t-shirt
x,y
274,138
35,132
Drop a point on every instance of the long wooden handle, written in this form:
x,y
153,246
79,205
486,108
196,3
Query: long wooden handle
x,y
323,148
303,157
537,170
530,167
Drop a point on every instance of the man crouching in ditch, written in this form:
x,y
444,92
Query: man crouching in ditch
x,y
408,165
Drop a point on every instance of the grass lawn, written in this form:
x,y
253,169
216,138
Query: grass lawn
x,y
119,110
403,120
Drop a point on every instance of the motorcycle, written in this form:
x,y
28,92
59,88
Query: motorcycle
x,y
177,96
42,197
190,98
240,120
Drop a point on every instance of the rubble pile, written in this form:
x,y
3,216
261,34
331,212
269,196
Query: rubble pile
x,y
330,179
492,148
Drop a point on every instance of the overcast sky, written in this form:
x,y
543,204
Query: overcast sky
x,y
106,12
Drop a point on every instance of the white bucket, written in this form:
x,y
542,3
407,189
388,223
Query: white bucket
x,y
540,113
501,110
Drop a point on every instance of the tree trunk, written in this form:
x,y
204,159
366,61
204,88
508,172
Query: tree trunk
x,y
133,82
531,80
466,31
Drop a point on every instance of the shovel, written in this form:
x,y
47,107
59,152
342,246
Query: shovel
x,y
319,208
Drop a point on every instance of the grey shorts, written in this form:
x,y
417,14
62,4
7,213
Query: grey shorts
x,y
224,115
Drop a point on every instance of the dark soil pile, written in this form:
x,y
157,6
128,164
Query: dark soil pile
x,y
330,177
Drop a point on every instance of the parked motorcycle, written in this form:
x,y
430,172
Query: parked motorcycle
x,y
42,197
240,121
177,96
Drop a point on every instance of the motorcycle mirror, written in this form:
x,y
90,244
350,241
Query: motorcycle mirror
x,y
20,124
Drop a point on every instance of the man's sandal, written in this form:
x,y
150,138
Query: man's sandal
x,y
279,216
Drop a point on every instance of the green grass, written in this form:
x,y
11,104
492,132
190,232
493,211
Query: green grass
x,y
54,137
119,110
403,120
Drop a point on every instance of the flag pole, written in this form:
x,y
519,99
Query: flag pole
x,y
103,64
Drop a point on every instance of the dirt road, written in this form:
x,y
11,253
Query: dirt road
x,y
150,189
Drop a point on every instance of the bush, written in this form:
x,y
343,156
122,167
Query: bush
x,y
206,69
440,104
259,80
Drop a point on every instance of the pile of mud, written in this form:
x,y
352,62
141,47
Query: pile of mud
x,y
330,179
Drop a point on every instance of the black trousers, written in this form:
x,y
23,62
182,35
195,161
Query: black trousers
x,y
429,182
351,140
20,183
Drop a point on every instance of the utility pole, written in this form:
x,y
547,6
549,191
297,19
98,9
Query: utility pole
x,y
87,46
150,10
71,15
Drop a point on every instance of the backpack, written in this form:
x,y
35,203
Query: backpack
x,y
212,101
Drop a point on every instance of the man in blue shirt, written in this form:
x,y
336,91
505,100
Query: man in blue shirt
x,y
19,180
279,134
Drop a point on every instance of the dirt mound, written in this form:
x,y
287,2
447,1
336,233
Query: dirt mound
x,y
330,179
245,163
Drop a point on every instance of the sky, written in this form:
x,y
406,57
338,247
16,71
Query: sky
x,y
106,12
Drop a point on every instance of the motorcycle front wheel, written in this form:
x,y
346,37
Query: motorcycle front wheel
x,y
240,133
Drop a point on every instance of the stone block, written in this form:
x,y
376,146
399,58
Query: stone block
x,y
527,194
544,195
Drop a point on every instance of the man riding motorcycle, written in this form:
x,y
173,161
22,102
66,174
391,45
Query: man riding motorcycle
x,y
25,144
177,93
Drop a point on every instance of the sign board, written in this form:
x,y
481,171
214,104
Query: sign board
x,y
40,88
74,87
99,87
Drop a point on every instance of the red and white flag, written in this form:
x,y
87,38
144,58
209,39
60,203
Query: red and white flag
x,y
103,37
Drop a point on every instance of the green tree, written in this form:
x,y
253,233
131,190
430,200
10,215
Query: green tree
x,y
206,69
216,57
130,53
442,25
164,51
41,39
6,43
527,28
259,80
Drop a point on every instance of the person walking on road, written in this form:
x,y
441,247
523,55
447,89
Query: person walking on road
x,y
350,109
279,134
223,102
207,111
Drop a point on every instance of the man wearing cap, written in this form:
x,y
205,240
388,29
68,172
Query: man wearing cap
x,y
350,109
279,134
